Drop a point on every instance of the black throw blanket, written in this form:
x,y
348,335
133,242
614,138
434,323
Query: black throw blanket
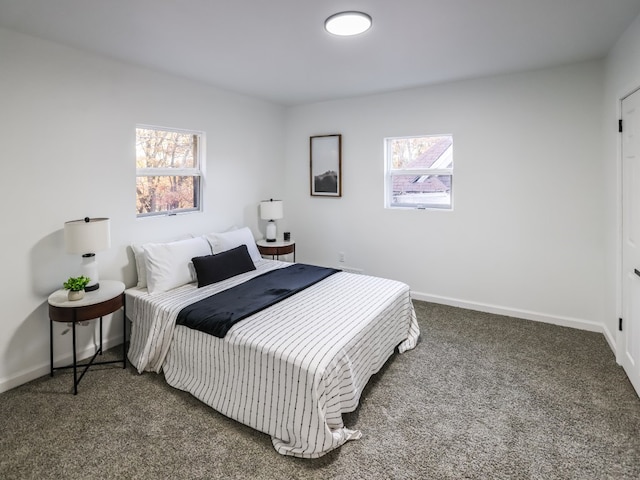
x,y
218,313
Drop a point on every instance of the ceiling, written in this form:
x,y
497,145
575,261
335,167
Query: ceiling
x,y
277,50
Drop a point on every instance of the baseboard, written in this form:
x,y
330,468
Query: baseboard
x,y
45,369
611,340
514,312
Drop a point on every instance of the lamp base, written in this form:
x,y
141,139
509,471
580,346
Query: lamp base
x,y
90,270
271,231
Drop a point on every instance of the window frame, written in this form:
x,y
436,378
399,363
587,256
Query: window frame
x,y
390,172
197,171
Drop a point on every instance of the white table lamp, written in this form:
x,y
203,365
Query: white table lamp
x,y
86,237
271,210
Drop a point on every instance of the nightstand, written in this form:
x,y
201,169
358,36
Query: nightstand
x,y
277,248
107,299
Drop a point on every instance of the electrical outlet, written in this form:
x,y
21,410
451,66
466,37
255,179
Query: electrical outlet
x,y
341,257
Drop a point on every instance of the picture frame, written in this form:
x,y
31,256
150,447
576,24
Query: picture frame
x,y
325,165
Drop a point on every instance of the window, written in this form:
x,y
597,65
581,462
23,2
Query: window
x,y
419,172
168,171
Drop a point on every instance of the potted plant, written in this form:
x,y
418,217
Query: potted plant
x,y
76,285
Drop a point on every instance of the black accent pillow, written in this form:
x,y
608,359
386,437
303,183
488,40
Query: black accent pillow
x,y
215,268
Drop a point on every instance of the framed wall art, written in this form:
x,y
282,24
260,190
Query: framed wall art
x,y
326,165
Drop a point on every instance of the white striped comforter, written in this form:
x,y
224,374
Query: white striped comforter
x,y
289,371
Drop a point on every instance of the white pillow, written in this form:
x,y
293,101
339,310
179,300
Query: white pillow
x,y
221,242
141,264
141,260
169,264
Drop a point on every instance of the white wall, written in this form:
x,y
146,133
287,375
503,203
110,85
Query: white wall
x,y
67,124
622,76
526,234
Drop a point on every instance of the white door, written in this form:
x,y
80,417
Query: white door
x,y
630,334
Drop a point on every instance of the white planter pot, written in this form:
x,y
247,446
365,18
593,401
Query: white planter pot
x,y
77,295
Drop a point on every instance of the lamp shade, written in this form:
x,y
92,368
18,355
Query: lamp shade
x,y
88,235
271,210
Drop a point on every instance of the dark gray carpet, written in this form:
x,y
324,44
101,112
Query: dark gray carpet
x,y
482,396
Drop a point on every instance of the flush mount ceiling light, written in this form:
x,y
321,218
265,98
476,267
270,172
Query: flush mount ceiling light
x,y
347,23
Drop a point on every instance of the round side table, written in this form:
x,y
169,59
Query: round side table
x,y
107,299
277,248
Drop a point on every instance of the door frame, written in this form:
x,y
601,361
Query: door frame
x,y
619,335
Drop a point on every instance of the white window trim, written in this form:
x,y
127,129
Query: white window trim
x,y
390,172
178,172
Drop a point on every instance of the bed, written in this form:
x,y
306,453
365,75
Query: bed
x,y
290,370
